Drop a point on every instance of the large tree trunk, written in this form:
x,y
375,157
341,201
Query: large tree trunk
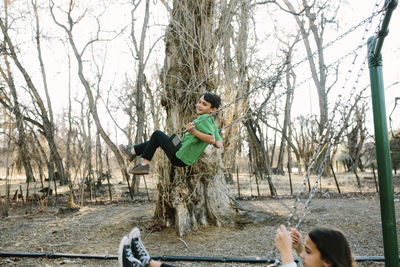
x,y
195,195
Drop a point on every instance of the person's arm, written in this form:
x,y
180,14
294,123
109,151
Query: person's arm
x,y
283,243
208,138
290,264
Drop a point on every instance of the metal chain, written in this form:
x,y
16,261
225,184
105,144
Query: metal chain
x,y
276,77
334,135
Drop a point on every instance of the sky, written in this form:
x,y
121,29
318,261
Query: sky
x,y
350,17
120,59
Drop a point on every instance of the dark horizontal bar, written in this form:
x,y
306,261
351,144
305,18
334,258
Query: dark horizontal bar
x,y
5,254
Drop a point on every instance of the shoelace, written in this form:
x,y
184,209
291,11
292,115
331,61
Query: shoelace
x,y
131,258
141,250
129,254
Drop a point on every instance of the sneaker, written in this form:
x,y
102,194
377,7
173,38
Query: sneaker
x,y
125,256
140,169
126,151
137,247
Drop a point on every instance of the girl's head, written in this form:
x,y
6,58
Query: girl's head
x,y
213,99
326,247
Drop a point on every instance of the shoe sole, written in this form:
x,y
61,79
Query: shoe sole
x,y
124,241
121,148
140,172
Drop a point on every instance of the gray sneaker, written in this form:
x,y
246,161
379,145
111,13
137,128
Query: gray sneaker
x,y
126,151
140,169
125,255
137,247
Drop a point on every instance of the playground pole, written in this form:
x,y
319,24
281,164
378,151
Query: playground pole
x,y
388,217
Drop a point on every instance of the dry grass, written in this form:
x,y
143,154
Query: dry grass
x,y
98,226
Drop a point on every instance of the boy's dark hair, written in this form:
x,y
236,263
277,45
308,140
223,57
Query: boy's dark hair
x,y
333,246
213,99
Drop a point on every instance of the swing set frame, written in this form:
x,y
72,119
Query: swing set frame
x,y
386,194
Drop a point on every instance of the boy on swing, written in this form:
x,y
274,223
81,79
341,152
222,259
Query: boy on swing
x,y
200,133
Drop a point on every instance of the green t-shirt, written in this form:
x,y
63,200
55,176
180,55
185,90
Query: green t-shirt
x,y
193,147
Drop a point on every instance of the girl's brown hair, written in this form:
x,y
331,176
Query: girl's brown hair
x,y
333,246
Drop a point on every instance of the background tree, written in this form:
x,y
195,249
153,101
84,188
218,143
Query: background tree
x,y
394,142
92,104
46,126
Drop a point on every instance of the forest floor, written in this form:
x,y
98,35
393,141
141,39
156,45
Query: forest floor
x,y
98,226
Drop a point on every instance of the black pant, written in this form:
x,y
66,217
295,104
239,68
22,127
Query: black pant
x,y
167,265
148,148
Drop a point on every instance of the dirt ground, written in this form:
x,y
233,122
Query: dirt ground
x,y
98,226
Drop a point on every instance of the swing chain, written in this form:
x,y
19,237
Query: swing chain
x,y
280,73
334,135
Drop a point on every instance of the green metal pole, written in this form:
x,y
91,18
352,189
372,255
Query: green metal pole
x,y
388,216
390,6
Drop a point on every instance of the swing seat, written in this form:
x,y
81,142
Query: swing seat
x,y
173,144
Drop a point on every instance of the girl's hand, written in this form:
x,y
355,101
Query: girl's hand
x,y
283,242
190,127
297,241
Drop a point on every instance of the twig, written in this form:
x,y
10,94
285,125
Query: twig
x,y
180,239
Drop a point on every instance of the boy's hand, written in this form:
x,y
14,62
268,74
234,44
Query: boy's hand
x,y
190,127
218,144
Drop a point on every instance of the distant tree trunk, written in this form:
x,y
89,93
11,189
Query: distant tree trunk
x,y
195,195
47,126
140,104
86,85
259,155
22,144
356,138
236,80
290,82
68,162
99,161
273,146
318,70
140,83
40,154
7,156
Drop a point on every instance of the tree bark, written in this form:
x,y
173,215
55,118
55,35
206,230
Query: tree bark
x,y
195,195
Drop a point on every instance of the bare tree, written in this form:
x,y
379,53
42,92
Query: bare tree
x,y
14,105
290,78
305,136
92,104
46,125
259,154
311,18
